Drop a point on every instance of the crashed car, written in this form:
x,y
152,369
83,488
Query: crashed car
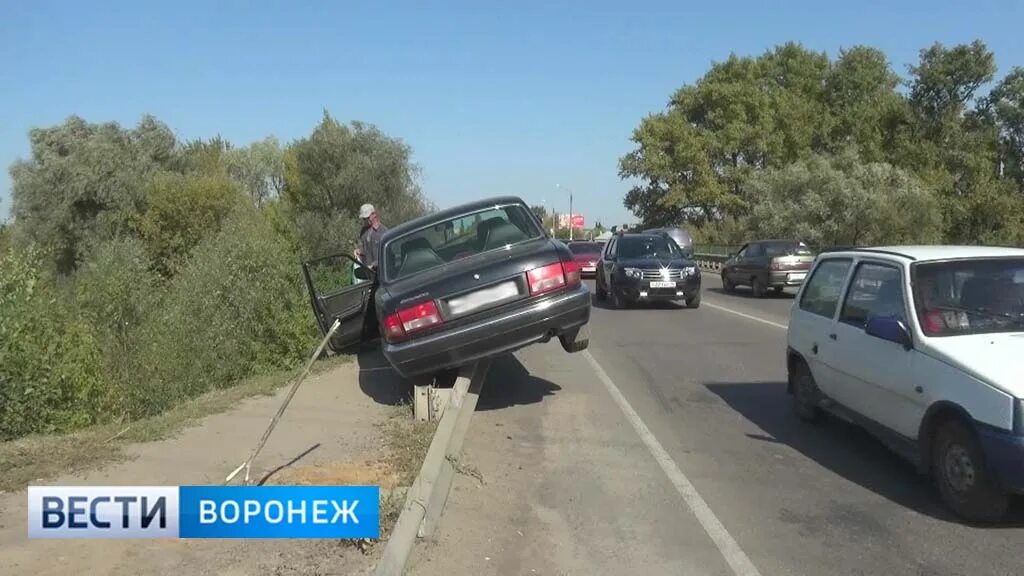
x,y
454,287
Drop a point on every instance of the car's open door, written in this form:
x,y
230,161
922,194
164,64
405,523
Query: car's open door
x,y
339,289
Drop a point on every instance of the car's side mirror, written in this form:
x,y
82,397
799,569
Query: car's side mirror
x,y
889,328
362,273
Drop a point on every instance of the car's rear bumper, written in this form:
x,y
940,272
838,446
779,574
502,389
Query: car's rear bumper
x,y
791,278
642,291
1004,453
491,336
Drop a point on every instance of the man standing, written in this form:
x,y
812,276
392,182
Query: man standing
x,y
369,236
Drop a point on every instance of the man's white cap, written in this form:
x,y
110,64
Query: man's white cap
x,y
365,210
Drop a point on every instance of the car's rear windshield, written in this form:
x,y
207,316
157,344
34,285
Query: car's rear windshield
x,y
772,249
585,248
647,247
970,296
458,238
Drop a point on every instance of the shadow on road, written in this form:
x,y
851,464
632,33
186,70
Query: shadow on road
x,y
606,304
509,383
845,449
744,292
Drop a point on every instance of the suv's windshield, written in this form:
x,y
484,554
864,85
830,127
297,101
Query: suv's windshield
x,y
585,248
458,238
970,296
647,247
773,249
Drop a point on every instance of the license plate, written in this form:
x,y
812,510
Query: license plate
x,y
589,269
475,300
663,284
799,276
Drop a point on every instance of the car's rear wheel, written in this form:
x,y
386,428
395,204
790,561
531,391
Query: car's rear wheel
x,y
757,287
778,289
805,392
726,284
961,476
576,340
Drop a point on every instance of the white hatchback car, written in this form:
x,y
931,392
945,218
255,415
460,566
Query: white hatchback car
x,y
924,347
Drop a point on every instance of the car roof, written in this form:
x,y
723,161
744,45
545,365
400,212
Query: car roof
x,y
450,213
930,253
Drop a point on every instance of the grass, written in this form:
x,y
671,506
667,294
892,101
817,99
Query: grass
x,y
406,441
36,458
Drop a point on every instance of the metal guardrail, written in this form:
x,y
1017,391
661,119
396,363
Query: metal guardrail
x,y
711,257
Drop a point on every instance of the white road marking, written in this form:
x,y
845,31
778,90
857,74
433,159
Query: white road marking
x,y
744,315
731,551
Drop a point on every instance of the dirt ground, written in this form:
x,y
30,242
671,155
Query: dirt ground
x,y
331,434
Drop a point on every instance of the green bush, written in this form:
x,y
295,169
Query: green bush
x,y
116,292
237,307
50,361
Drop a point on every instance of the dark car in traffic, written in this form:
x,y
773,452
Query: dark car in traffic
x,y
646,268
764,264
586,255
680,235
460,285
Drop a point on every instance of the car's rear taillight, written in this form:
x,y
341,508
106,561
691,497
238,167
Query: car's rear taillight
x,y
776,264
553,277
546,278
571,269
410,320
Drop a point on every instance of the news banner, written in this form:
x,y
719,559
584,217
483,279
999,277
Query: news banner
x,y
187,512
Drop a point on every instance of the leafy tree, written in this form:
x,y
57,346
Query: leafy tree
x,y
181,211
259,168
1006,106
827,201
329,174
860,91
84,183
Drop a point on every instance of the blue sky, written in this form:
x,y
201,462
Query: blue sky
x,y
512,98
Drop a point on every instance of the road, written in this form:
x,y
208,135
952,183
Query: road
x,y
671,448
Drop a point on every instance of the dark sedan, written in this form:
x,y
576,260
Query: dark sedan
x,y
460,285
646,268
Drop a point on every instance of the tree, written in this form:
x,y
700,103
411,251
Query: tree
x,y
1006,106
828,201
746,114
860,91
330,173
540,212
259,169
83,184
181,211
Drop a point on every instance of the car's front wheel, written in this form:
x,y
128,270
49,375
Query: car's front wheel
x,y
618,300
961,476
693,301
727,285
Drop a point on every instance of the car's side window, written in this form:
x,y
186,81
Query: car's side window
x,y
875,290
612,245
755,251
743,251
821,295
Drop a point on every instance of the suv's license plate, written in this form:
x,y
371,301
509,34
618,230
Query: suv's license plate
x,y
659,284
474,300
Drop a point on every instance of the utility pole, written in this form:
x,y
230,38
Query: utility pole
x,y
571,226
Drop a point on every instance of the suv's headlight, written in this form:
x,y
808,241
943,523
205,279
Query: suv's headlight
x,y
634,273
690,270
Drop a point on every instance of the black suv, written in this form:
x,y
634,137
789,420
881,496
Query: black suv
x,y
646,268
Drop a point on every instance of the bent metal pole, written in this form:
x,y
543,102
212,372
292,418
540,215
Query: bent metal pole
x,y
273,422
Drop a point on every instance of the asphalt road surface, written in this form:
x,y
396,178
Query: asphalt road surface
x,y
670,447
